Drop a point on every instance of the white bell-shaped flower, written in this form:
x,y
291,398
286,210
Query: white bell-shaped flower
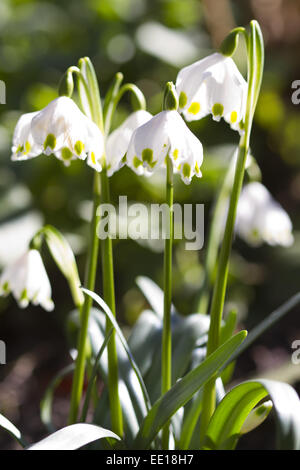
x,y
214,86
24,146
165,134
27,280
118,141
261,219
60,129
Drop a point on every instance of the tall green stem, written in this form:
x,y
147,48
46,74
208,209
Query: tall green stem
x,y
215,236
255,69
166,361
78,378
109,297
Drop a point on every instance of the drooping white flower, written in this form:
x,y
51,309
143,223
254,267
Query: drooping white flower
x,y
118,141
261,219
165,134
60,129
212,85
27,279
23,146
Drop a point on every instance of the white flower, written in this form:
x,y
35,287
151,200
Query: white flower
x,y
27,279
60,129
118,141
261,219
212,85
24,146
165,134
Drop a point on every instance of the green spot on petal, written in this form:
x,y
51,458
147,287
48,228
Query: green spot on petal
x,y
5,287
147,157
194,108
176,154
78,147
66,153
182,100
23,295
93,158
242,125
136,162
233,117
186,170
217,109
197,169
27,147
20,149
50,141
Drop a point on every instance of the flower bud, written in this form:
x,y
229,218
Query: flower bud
x,y
170,97
66,84
230,43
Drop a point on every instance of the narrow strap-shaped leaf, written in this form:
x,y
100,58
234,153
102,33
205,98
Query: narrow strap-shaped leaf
x,y
226,424
73,437
135,368
93,377
12,430
273,318
47,400
182,392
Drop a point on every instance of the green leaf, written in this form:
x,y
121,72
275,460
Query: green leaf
x,y
266,324
111,317
93,377
153,294
227,422
65,260
12,430
166,406
47,400
73,437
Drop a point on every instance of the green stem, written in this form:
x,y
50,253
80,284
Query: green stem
x,y
215,236
109,298
209,394
78,378
166,359
255,54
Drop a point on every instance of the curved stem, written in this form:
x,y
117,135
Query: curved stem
x,y
255,68
109,297
166,360
78,377
114,103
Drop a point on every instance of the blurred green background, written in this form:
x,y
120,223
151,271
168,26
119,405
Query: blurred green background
x,y
148,41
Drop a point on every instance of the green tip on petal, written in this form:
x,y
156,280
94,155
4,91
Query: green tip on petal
x,y
186,170
66,154
50,142
182,100
79,147
147,157
217,109
136,162
194,108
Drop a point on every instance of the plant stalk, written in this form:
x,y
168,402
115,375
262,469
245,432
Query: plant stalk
x,y
109,298
166,379
78,377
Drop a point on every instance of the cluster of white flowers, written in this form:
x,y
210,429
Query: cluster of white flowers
x,y
213,86
261,219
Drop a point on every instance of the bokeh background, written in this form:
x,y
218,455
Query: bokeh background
x,y
148,41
